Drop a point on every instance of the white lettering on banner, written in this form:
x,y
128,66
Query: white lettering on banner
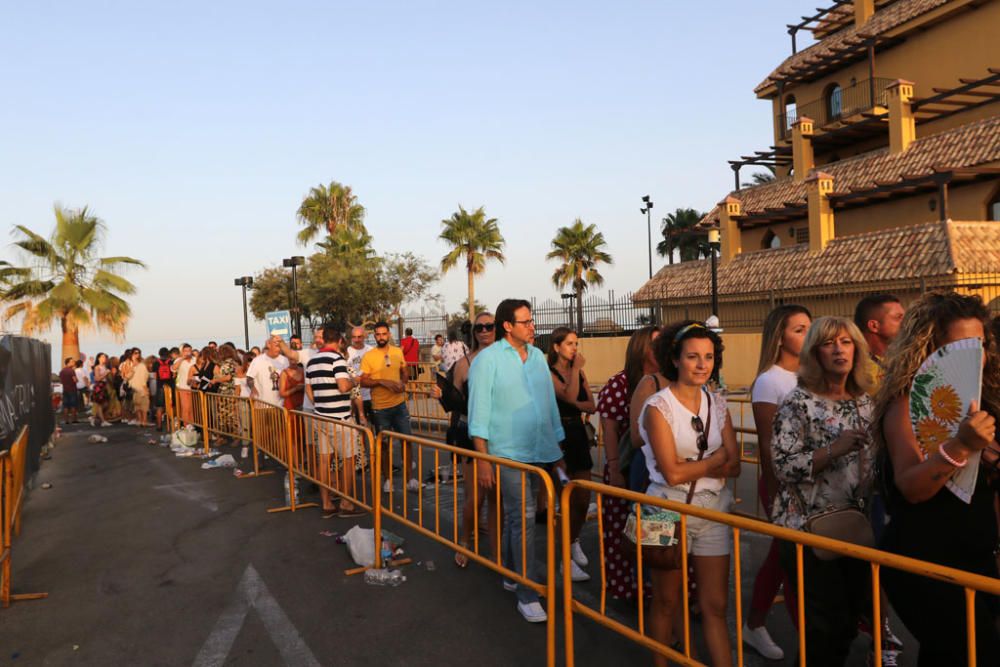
x,y
13,405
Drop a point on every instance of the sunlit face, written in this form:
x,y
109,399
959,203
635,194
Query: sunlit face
x,y
964,328
318,339
273,347
136,355
795,333
382,336
484,330
439,340
358,337
890,321
295,343
836,354
522,329
696,361
568,347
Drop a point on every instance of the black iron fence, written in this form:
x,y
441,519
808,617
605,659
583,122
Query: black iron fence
x,y
838,103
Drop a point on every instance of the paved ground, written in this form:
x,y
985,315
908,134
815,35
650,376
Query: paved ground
x,y
150,560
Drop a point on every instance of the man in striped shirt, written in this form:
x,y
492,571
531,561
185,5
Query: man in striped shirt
x,y
328,386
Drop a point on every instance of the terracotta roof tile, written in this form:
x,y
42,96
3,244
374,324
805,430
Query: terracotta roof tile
x,y
911,252
970,145
882,21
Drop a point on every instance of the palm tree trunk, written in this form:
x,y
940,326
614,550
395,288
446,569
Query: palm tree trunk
x,y
70,341
472,295
579,310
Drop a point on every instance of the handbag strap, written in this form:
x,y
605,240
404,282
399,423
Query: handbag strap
x,y
701,452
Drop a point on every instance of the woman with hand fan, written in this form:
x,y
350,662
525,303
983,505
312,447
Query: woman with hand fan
x,y
821,453
926,438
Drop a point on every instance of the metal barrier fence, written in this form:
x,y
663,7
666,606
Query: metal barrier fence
x,y
12,463
432,527
227,415
334,454
426,414
971,583
272,434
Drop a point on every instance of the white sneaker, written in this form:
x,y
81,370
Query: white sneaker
x,y
387,487
576,553
413,485
761,641
576,573
91,420
105,423
532,612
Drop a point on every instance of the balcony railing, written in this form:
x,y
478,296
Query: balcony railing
x,y
837,104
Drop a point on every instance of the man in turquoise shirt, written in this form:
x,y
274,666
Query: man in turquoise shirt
x,y
513,415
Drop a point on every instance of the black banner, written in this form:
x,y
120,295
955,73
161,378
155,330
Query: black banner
x,y
26,394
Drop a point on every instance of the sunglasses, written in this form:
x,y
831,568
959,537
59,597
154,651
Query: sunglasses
x,y
699,428
487,326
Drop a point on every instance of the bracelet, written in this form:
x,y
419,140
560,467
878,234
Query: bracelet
x,y
954,462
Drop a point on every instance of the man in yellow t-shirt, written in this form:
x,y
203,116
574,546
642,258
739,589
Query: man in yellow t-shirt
x,y
383,370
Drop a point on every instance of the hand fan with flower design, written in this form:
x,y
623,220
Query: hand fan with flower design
x,y
947,382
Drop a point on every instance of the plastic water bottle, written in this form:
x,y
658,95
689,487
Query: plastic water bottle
x,y
288,500
384,577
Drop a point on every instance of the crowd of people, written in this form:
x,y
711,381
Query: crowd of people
x,y
830,404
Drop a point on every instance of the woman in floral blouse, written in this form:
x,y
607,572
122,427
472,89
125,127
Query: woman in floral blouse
x,y
822,459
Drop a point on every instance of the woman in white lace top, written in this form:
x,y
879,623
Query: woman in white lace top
x,y
689,440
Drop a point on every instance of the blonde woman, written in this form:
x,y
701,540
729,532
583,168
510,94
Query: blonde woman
x,y
822,459
928,521
783,335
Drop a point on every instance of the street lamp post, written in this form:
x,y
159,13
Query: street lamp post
x,y
647,206
293,262
246,282
713,244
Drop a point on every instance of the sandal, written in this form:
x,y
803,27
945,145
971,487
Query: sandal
x,y
461,560
353,511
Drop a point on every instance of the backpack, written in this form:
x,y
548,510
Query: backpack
x,y
163,372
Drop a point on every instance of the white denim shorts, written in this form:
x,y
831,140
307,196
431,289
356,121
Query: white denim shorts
x,y
704,538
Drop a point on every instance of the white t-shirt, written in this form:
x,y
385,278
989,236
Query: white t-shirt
x,y
182,374
242,384
81,378
266,374
354,361
773,385
685,437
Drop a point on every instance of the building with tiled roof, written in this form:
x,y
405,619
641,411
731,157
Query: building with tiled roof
x,y
886,130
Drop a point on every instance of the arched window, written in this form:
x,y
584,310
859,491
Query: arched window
x,y
833,106
790,112
770,240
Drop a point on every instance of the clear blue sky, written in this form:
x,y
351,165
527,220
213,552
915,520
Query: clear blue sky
x,y
195,129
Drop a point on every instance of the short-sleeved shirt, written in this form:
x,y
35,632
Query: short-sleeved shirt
x,y
411,349
613,400
384,363
773,385
354,356
81,378
679,418
324,369
183,369
140,378
805,423
451,353
67,377
266,373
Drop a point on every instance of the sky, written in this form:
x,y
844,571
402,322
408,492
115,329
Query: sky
x,y
194,130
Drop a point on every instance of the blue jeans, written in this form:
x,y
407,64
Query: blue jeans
x,y
510,543
396,418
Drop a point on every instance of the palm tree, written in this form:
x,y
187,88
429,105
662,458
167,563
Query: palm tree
x,y
330,207
680,232
474,239
68,282
580,248
759,178
349,245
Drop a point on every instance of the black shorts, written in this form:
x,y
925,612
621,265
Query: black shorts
x,y
576,446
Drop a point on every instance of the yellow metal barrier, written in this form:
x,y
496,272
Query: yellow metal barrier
x,y
322,444
431,526
426,413
272,434
12,464
972,583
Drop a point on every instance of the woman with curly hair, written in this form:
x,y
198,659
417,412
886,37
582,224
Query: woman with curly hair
x,y
928,521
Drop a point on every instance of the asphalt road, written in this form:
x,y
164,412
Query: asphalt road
x,y
150,560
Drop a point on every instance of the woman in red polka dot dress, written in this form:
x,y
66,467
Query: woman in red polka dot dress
x,y
613,407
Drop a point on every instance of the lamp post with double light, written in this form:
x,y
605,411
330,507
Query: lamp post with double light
x,y
713,246
246,282
647,207
293,262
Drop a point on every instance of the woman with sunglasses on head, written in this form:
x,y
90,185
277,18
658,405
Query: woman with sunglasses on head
x,y
100,390
822,460
690,448
483,335
575,400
